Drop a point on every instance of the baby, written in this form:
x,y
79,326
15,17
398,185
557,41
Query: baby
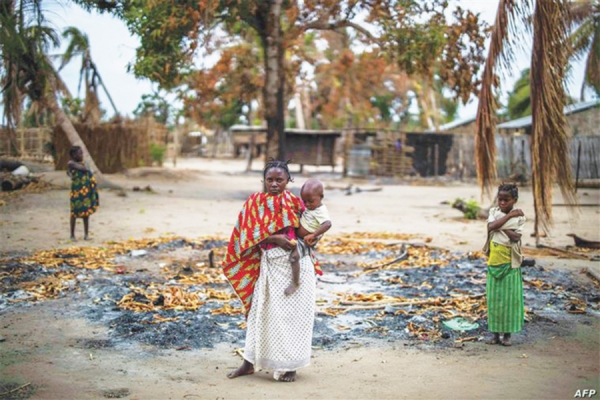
x,y
314,222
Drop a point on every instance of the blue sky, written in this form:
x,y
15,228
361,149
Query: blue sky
x,y
113,48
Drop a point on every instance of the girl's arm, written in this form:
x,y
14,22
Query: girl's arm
x,y
75,165
512,235
497,224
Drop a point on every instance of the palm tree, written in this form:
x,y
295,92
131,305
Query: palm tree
x,y
79,45
549,60
519,100
27,71
585,40
12,98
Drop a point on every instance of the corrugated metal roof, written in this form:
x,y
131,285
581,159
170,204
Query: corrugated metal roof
x,y
570,109
457,123
255,128
246,128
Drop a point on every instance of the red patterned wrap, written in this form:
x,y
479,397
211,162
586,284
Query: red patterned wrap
x,y
261,216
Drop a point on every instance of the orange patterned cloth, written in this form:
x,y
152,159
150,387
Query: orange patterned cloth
x,y
261,216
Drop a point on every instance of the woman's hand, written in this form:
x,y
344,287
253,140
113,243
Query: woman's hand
x,y
282,241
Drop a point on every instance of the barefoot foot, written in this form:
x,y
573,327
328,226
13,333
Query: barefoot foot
x,y
289,376
494,339
246,369
506,340
291,289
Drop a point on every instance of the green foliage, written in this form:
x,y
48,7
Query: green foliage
x,y
519,100
25,68
157,153
450,108
73,107
156,106
472,209
384,105
469,208
415,40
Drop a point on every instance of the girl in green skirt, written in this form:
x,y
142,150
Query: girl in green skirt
x,y
504,289
84,195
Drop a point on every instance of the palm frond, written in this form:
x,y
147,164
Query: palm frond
x,y
581,39
549,149
79,44
592,65
580,10
501,52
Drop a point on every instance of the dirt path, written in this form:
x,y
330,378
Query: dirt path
x,y
63,356
59,361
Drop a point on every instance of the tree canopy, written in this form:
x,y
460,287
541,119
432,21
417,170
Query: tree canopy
x,y
423,40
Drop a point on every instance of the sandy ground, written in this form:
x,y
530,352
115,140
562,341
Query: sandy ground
x,y
203,197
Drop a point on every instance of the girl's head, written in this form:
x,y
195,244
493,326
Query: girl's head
x,y
508,194
276,176
76,153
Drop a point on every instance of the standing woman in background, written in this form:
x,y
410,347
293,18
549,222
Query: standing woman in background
x,y
84,194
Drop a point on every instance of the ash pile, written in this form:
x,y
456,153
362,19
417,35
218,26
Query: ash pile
x,y
170,293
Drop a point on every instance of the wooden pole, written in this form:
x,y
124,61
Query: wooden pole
x,y
175,145
348,143
578,165
593,159
436,157
251,151
216,138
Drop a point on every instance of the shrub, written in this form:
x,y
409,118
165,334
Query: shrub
x,y
157,153
469,208
472,209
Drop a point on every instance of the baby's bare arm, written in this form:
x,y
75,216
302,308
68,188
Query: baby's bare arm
x,y
311,238
325,226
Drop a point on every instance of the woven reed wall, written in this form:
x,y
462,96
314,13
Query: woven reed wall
x,y
114,146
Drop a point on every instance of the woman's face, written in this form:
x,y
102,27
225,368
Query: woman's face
x,y
276,179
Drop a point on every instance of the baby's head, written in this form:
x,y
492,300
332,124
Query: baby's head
x,y
508,194
312,193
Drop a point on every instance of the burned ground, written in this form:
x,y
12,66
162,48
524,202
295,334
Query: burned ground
x,y
163,293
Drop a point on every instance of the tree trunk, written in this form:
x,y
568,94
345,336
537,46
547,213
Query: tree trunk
x,y
274,82
435,111
67,126
112,103
12,142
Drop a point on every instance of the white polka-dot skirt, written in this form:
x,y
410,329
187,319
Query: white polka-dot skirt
x,y
279,327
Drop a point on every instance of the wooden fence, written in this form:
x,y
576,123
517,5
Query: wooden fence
x,y
114,146
584,151
31,143
513,156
